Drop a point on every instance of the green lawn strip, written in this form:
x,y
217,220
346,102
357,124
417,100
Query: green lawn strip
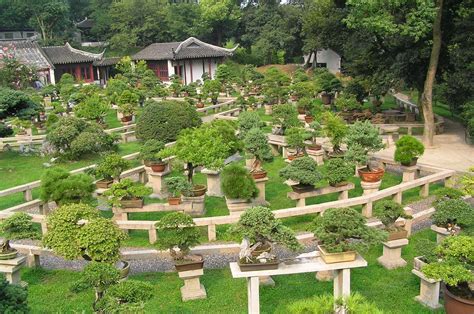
x,y
393,291
111,119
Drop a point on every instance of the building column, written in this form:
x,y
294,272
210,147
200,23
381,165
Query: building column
x,y
52,79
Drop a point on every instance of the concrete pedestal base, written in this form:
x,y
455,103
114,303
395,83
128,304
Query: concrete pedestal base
x,y
441,233
236,206
260,199
11,269
326,275
213,182
392,254
429,291
409,173
370,187
267,281
316,155
197,205
192,289
156,180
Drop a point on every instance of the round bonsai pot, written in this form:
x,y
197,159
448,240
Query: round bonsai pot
x,y
190,262
367,175
124,268
259,174
301,110
11,254
200,105
126,118
456,305
158,166
314,147
397,234
308,118
339,184
302,188
133,203
294,156
411,163
104,183
174,200
198,190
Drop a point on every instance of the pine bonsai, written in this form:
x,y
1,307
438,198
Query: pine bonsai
x,y
303,170
237,183
408,150
256,144
338,171
453,212
388,212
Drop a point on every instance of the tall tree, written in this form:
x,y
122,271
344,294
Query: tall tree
x,y
220,17
51,17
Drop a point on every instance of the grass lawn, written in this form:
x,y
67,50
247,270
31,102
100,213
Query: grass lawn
x,y
393,291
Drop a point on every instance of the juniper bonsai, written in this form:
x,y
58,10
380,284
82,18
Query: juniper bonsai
x,y
388,212
303,170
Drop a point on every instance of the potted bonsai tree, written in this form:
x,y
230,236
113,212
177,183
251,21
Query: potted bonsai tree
x,y
335,129
304,171
255,143
211,89
178,233
363,138
176,85
260,230
388,212
316,129
342,231
455,268
338,171
127,104
295,138
408,150
248,120
109,169
17,226
127,194
238,186
450,216
328,85
176,186
285,116
149,154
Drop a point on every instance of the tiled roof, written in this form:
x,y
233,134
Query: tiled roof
x,y
191,48
28,52
107,62
66,54
86,23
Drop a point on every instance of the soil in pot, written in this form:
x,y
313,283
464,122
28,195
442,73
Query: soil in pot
x,y
104,183
411,163
330,258
397,234
374,175
133,203
458,300
126,119
259,174
198,190
190,262
174,200
302,188
158,166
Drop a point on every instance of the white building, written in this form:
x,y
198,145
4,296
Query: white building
x,y
325,58
189,59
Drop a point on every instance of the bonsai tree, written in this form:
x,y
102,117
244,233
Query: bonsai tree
x,y
336,129
452,213
20,126
256,144
467,182
92,108
408,150
446,193
259,230
211,89
426,251
295,138
315,131
126,190
110,167
60,186
303,89
338,171
176,85
347,103
328,84
242,103
177,233
285,116
275,85
321,304
77,230
176,186
344,229
126,296
454,267
237,183
149,152
14,297
115,87
303,170
128,102
356,89
248,120
388,212
19,226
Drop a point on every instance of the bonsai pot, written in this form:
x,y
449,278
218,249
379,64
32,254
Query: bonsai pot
x,y
456,305
294,156
174,200
126,118
294,97
340,257
397,234
198,190
411,163
313,147
124,268
104,183
133,203
158,166
418,262
258,266
338,184
326,98
301,110
200,105
259,174
8,255
367,175
196,262
336,155
302,188
308,118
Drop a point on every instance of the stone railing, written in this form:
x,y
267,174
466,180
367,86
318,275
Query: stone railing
x,y
226,104
402,101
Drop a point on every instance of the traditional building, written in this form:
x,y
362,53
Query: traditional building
x,y
324,58
189,59
9,34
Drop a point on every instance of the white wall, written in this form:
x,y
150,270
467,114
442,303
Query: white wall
x,y
197,68
331,58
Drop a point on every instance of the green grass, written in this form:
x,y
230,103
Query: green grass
x,y
111,119
393,291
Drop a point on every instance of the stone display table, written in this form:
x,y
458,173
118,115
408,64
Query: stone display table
x,y
260,199
409,173
301,197
429,290
392,254
156,180
192,289
306,263
316,155
196,207
370,187
441,233
213,182
11,269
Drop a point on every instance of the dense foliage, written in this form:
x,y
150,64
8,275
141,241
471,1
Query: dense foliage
x,y
14,297
248,120
256,144
126,189
110,167
237,183
338,171
453,212
19,226
17,104
303,170
408,148
362,138
388,212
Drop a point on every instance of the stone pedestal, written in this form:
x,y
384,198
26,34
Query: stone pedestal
x,y
391,131
429,291
409,173
268,110
260,199
192,289
197,205
370,187
237,206
392,254
441,233
327,275
316,155
156,180
213,182
11,269
267,281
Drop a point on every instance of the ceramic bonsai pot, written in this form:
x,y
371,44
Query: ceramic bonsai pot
x,y
200,105
331,258
294,156
308,118
133,203
314,147
9,255
190,264
367,175
456,305
198,190
158,166
104,184
174,200
397,234
259,174
326,98
126,118
302,188
411,163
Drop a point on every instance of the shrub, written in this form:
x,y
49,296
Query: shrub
x,y
344,229
19,226
325,304
256,144
388,212
5,131
258,224
14,297
338,171
356,89
111,166
447,193
126,297
303,170
18,104
453,212
177,186
92,141
335,128
407,149
92,108
58,185
347,103
163,121
362,138
150,149
295,138
70,236
226,130
237,183
126,190
248,120
426,249
285,116
177,231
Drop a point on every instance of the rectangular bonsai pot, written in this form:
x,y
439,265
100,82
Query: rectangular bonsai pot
x,y
418,263
135,203
104,184
398,234
258,266
330,258
189,265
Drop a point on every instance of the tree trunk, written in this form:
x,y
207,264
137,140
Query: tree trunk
x,y
190,172
427,97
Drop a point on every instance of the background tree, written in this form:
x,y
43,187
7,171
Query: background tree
x,y
219,17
